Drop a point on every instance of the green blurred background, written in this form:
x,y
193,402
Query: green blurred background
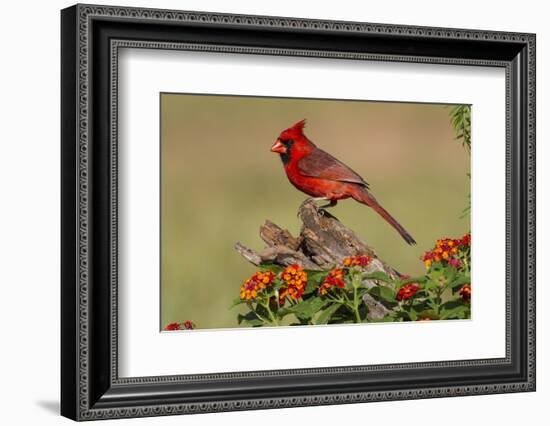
x,y
220,182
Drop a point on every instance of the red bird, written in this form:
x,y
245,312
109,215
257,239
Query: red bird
x,y
320,175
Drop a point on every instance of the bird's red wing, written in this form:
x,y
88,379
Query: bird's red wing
x,y
322,165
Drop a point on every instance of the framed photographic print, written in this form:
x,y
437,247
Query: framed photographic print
x,y
263,212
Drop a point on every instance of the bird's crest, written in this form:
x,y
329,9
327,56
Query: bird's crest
x,y
296,131
299,126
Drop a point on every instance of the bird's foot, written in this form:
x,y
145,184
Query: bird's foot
x,y
325,213
320,209
332,203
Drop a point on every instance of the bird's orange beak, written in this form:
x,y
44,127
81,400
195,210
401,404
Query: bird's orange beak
x,y
278,147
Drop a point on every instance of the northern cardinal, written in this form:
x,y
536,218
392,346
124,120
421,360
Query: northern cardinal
x,y
321,176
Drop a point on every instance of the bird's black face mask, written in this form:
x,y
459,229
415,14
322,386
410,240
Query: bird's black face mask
x,y
285,156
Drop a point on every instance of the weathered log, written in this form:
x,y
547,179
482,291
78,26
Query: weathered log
x,y
323,243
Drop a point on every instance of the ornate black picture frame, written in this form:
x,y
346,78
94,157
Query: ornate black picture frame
x,y
91,37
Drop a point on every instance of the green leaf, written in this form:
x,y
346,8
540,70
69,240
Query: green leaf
x,y
430,285
460,117
452,304
327,313
412,314
316,275
420,305
313,280
401,283
250,318
383,292
282,312
237,302
459,281
342,316
307,308
454,310
436,270
261,311
270,267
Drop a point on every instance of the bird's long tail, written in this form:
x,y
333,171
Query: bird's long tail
x,y
365,197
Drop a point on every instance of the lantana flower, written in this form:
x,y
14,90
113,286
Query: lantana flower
x,y
407,291
360,260
173,326
188,325
335,278
255,284
456,263
446,251
295,279
465,292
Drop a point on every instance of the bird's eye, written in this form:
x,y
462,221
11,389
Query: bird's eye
x,y
287,142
